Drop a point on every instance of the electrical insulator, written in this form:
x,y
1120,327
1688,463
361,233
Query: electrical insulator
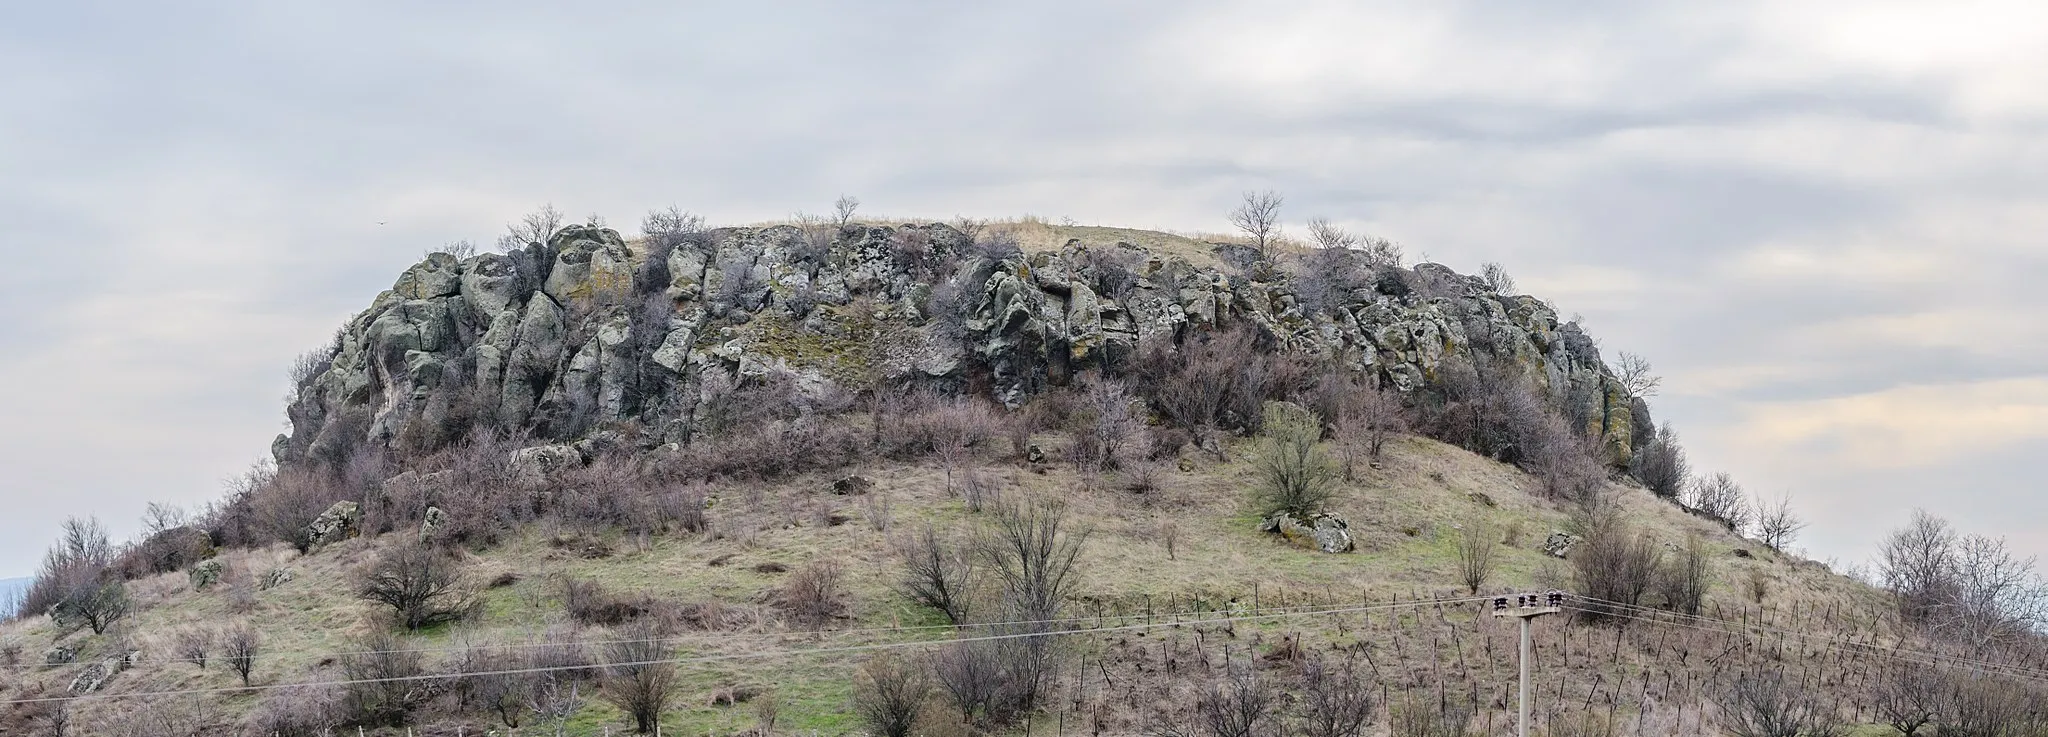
x,y
1500,603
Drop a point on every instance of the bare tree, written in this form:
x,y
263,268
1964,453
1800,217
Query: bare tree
x,y
843,209
1683,582
1476,554
1237,706
1767,704
193,644
555,697
1497,278
1633,372
669,227
239,647
419,582
1908,697
535,227
1032,549
1104,445
1327,235
1718,497
1917,564
1777,526
937,574
1615,562
640,675
889,695
1258,215
1661,464
1335,702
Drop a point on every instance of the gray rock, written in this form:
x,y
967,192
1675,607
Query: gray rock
x,y
431,522
1326,532
562,342
541,465
93,677
340,522
275,578
1559,544
59,655
206,574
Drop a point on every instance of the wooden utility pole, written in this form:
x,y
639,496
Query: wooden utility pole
x,y
1527,607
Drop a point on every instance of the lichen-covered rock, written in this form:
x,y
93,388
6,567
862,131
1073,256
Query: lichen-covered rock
x,y
206,574
59,655
340,522
432,522
559,338
275,578
541,465
1326,532
93,677
1559,544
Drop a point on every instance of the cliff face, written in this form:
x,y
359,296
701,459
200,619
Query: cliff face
x,y
589,330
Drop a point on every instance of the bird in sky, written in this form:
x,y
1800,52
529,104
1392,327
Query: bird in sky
x,y
381,222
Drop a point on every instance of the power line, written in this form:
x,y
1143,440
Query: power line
x,y
738,656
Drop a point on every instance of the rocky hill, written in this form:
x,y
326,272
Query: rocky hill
x,y
589,330
926,479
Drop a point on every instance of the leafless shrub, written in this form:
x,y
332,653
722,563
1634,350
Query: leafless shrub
x,y
815,595
1335,702
239,645
1381,253
492,681
1032,550
889,695
879,511
1489,407
535,227
937,573
193,645
640,675
1258,215
1777,526
387,681
1476,554
1767,704
1239,705
1293,476
421,584
978,491
1719,498
683,508
1412,720
1661,464
72,572
1683,581
1615,562
1108,428
1169,534
1361,421
555,697
299,711
161,716
1497,278
1208,383
1909,697
588,603
1968,589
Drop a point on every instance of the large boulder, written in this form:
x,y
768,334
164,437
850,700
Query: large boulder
x,y
1326,532
206,574
93,677
1559,544
340,522
541,465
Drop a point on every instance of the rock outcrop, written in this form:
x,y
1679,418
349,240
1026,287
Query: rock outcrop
x,y
589,331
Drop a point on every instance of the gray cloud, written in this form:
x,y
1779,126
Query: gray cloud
x,y
1798,213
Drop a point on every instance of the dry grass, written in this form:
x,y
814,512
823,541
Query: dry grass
x,y
1422,487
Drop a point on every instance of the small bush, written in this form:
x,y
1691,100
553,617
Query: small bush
x,y
386,681
239,646
588,603
1767,704
1615,562
815,595
889,695
1240,705
1683,582
937,574
420,583
1293,475
300,711
1661,465
1335,702
640,675
193,645
1476,554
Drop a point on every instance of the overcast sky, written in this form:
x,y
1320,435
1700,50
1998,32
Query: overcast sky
x,y
1822,222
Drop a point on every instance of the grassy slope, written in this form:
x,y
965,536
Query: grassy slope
x,y
1404,515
